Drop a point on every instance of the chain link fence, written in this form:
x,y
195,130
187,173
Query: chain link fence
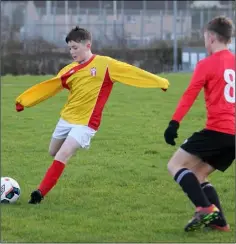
x,y
108,26
165,39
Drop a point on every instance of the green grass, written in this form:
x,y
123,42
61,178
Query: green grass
x,y
117,191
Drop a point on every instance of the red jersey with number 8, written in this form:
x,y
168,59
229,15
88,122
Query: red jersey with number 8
x,y
216,74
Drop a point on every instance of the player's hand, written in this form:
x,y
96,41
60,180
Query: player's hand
x,y
19,107
171,132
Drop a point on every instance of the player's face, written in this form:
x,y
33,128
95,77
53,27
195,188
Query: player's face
x,y
78,50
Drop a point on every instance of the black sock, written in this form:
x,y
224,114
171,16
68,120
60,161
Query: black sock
x,y
191,186
213,197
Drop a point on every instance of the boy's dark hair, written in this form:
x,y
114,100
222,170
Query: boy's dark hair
x,y
223,27
78,34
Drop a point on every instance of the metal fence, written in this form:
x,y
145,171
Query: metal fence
x,y
108,26
117,26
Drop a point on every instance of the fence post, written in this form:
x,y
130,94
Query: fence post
x,y
66,16
201,18
161,24
175,37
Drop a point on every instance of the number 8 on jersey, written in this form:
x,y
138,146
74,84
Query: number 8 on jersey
x,y
229,91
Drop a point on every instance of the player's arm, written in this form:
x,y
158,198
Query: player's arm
x,y
196,84
198,80
134,76
38,93
44,90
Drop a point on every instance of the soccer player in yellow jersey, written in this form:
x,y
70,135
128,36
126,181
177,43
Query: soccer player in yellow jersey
x,y
89,80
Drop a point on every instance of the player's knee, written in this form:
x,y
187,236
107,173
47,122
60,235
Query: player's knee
x,y
177,162
64,154
173,167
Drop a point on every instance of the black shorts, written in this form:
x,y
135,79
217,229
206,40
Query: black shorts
x,y
214,148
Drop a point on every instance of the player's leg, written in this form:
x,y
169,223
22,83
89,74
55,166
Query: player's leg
x,y
180,167
192,153
58,137
212,195
219,159
55,145
213,150
221,162
68,148
78,137
202,171
54,172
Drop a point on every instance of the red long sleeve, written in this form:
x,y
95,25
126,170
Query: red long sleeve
x,y
197,82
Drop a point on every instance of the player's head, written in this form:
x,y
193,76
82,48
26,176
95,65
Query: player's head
x,y
218,33
79,41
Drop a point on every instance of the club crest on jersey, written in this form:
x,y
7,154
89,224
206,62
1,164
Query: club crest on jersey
x,y
93,71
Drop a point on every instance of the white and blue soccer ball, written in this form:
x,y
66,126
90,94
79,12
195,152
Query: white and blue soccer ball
x,y
10,190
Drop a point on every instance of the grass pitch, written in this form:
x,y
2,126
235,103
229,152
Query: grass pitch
x,y
117,191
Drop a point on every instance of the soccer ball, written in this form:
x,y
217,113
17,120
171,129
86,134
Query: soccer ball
x,y
10,190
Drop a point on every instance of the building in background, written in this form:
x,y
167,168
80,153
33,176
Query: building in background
x,y
118,23
191,55
138,22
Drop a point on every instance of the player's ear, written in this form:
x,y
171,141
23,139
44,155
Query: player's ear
x,y
210,38
88,45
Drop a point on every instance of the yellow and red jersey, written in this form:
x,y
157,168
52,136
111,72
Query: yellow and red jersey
x,y
89,85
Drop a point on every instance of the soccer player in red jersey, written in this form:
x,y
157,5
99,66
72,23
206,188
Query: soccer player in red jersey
x,y
89,81
212,148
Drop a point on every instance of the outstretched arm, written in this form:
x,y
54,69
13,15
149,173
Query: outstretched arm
x,y
134,76
38,93
44,90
